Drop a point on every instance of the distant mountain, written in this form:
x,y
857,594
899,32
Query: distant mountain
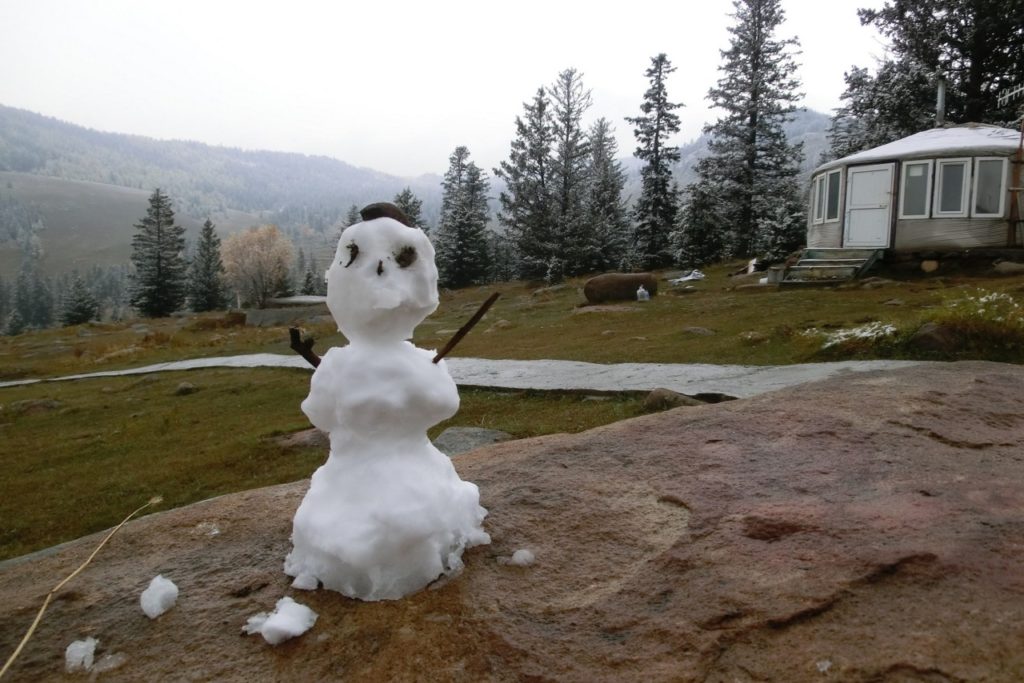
x,y
292,190
79,191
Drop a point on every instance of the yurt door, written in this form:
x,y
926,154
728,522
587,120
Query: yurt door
x,y
868,206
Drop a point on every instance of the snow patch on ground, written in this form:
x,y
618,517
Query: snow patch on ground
x,y
159,597
520,558
288,620
78,656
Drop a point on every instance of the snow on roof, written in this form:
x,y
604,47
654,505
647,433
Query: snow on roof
x,y
975,139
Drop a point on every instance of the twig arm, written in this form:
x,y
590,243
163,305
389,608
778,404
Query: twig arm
x,y
464,330
303,347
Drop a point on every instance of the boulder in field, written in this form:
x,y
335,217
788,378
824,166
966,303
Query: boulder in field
x,y
618,286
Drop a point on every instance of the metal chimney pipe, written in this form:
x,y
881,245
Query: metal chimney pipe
x,y
940,101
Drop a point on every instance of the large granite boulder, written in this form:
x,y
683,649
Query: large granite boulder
x,y
863,528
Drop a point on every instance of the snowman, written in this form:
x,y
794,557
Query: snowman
x,y
386,514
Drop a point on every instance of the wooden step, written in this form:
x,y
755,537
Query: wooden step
x,y
839,253
854,262
821,272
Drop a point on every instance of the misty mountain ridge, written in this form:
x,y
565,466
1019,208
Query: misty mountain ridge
x,y
203,180
74,180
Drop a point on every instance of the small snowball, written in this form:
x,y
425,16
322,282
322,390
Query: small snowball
x,y
289,619
159,597
78,655
522,558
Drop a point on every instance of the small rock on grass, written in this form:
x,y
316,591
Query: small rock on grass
x,y
455,440
663,399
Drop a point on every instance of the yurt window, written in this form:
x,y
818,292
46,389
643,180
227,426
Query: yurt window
x,y
915,189
989,186
952,182
819,199
832,200
825,197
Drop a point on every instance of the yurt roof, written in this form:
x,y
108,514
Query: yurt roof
x,y
969,139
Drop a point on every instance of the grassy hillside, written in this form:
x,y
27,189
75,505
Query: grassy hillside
x,y
90,223
296,189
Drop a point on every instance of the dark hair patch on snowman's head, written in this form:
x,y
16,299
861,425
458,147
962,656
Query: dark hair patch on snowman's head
x,y
385,210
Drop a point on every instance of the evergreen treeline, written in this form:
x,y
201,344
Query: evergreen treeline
x,y
562,180
31,300
977,46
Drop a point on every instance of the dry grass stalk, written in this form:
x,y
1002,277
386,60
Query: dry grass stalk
x,y
49,596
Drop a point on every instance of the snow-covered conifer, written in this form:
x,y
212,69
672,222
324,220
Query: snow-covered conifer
x,y
751,168
569,165
527,204
607,220
412,206
460,243
79,305
656,209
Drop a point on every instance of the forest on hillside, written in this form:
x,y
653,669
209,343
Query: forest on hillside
x,y
205,180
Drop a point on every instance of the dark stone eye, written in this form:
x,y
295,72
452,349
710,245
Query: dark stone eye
x,y
353,251
406,257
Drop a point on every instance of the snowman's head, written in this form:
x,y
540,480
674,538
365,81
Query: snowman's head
x,y
383,281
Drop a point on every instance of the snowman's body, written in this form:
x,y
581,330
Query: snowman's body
x,y
387,513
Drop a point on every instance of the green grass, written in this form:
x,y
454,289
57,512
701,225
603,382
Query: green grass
x,y
114,442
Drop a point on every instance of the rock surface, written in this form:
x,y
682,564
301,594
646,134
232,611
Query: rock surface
x,y
457,440
664,399
863,528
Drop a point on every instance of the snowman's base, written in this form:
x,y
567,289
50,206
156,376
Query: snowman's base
x,y
379,526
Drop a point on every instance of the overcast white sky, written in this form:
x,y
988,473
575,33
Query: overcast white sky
x,y
393,85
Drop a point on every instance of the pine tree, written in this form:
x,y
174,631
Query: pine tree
x,y
978,47
309,284
79,305
32,298
751,168
897,101
700,239
605,211
159,281
461,240
504,263
352,217
527,204
656,209
15,324
570,159
206,290
412,207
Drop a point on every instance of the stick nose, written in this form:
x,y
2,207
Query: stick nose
x,y
380,267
